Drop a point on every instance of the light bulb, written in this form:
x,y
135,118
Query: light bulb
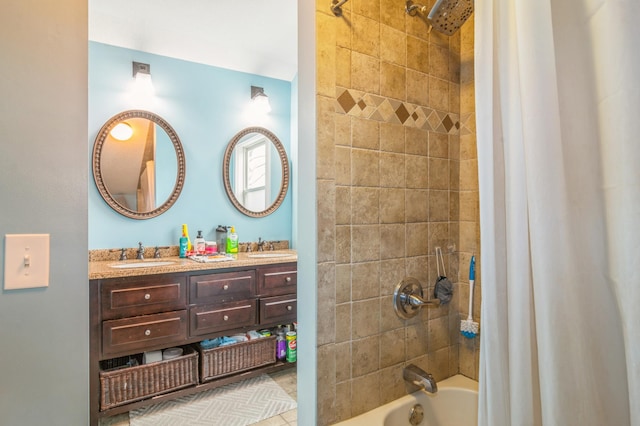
x,y
122,131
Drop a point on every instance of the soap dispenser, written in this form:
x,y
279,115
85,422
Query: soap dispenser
x,y
232,241
200,243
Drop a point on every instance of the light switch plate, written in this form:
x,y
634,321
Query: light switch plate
x,y
26,261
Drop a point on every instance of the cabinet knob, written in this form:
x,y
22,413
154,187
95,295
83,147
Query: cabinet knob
x,y
288,279
289,307
147,296
225,287
226,318
147,332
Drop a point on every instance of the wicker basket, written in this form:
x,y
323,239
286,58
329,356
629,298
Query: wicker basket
x,y
125,385
225,360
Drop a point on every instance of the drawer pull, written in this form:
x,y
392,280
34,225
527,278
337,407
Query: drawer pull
x,y
225,287
288,279
226,317
147,296
147,332
289,307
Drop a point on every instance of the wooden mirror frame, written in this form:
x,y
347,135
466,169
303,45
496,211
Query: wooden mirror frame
x,y
226,170
97,168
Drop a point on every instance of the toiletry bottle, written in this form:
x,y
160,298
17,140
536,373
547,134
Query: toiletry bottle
x,y
281,344
221,238
232,241
184,242
185,232
200,244
292,347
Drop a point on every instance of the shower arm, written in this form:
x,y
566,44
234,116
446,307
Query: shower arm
x,y
336,6
412,8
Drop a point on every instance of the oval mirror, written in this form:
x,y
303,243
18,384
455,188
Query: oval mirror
x,y
255,172
138,164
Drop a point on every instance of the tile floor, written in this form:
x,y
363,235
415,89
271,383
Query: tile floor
x,y
287,381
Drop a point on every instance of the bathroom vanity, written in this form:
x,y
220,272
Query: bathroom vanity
x,y
179,304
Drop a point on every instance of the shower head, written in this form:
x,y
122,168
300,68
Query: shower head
x,y
447,16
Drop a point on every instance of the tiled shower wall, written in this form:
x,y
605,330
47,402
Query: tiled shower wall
x,y
393,176
469,217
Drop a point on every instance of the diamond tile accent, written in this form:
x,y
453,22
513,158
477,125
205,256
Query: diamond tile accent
x,y
345,100
447,123
387,112
434,120
402,113
380,108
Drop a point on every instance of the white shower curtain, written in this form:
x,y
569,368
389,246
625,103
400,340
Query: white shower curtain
x,y
558,129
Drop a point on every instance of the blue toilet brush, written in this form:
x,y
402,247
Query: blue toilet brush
x,y
469,328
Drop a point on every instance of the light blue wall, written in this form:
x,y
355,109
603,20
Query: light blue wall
x,y
206,106
44,332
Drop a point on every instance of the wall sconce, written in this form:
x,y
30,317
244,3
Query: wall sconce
x,y
260,100
122,131
142,74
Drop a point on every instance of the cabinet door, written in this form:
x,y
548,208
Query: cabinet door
x,y
278,310
222,287
227,316
125,297
137,334
277,280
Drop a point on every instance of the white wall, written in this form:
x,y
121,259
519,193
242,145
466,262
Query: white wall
x,y
43,187
305,212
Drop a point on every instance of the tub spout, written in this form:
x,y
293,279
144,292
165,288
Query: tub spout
x,y
419,379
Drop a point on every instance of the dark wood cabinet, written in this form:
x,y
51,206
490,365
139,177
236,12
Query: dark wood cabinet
x,y
217,318
148,332
137,296
131,315
279,309
277,280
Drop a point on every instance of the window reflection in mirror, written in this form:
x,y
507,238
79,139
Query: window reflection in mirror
x,y
252,183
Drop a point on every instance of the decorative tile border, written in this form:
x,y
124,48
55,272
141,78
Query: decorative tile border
x,y
379,108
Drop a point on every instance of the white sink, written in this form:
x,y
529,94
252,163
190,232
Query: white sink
x,y
147,264
267,255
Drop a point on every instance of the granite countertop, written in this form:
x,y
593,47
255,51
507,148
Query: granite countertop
x,y
101,268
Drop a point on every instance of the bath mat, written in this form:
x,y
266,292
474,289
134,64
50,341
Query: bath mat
x,y
236,404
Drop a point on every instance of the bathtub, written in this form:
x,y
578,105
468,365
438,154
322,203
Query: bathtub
x,y
455,404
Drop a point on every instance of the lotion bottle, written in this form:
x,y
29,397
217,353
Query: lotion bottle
x,y
185,233
184,242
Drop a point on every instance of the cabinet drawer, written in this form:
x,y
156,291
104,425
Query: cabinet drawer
x,y
277,280
125,298
138,334
227,316
281,309
220,288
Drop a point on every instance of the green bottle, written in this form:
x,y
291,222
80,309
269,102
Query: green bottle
x,y
232,241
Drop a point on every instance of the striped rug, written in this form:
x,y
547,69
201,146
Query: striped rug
x,y
236,404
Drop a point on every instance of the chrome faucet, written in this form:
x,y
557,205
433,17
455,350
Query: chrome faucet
x,y
418,379
140,251
260,244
